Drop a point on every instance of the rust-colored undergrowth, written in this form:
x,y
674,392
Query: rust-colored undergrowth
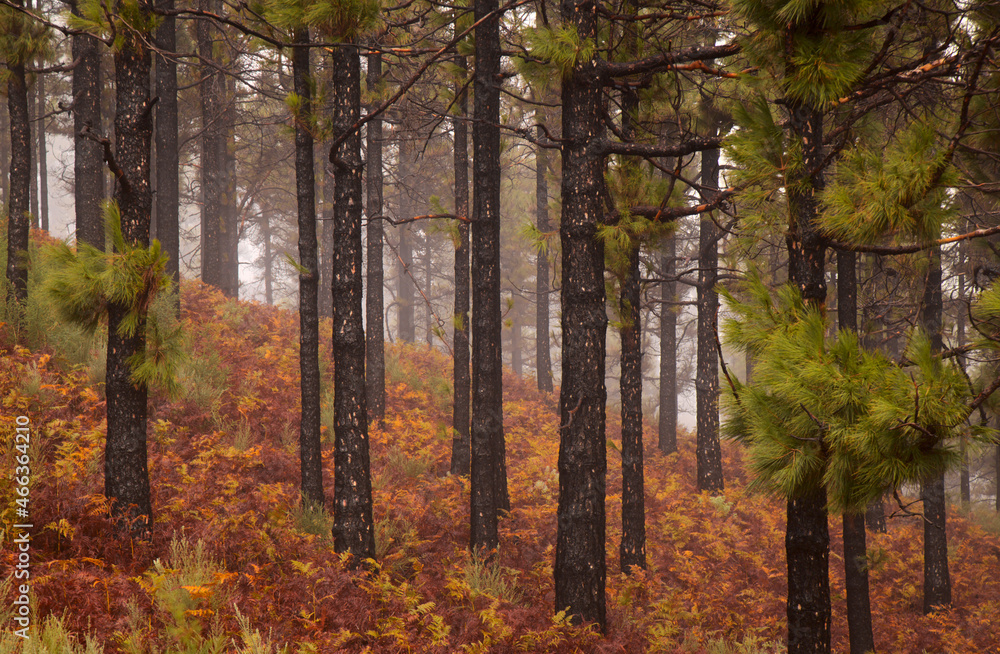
x,y
224,471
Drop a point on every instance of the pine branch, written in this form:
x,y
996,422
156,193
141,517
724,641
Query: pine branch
x,y
109,156
667,60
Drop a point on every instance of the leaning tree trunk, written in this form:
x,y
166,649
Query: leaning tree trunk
x,y
668,347
709,452
937,580
18,217
580,566
374,307
353,528
167,153
126,477
859,614
461,448
310,450
488,474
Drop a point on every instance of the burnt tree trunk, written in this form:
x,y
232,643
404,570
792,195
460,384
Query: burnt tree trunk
x,y
633,545
353,527
488,474
126,476
807,538
167,153
668,348
405,285
709,452
543,355
43,168
859,614
580,567
310,450
18,216
374,307
937,580
461,451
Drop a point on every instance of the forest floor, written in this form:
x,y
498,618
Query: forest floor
x,y
235,565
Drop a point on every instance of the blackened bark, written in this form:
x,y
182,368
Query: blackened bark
x,y
405,291
43,168
126,477
937,580
324,209
461,451
88,165
167,153
310,450
218,220
488,473
33,140
709,452
353,527
875,516
859,615
668,348
965,483
265,226
580,566
18,217
4,155
375,343
543,356
807,543
807,540
633,545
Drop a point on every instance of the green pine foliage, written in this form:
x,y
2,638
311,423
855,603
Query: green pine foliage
x,y
896,188
21,39
129,19
558,47
823,411
85,281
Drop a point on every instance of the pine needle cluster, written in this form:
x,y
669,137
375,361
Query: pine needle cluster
x,y
86,281
825,412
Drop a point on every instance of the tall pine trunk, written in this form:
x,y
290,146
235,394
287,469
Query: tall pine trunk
x,y
709,452
310,450
543,356
167,153
633,545
807,537
488,470
668,347
126,476
353,527
937,580
18,218
580,565
43,167
374,307
461,451
859,614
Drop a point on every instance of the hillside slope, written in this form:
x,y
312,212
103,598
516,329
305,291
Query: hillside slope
x,y
232,555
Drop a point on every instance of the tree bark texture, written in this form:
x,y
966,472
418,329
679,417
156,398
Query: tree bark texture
x,y
633,545
461,448
937,580
218,219
18,216
807,540
126,476
88,164
859,615
580,565
488,471
374,307
43,167
668,348
709,452
405,286
807,543
167,152
353,527
310,450
543,355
